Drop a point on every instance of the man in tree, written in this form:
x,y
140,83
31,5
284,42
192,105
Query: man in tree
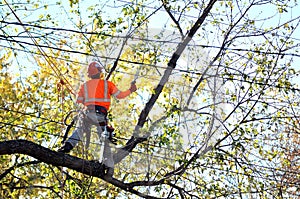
x,y
95,94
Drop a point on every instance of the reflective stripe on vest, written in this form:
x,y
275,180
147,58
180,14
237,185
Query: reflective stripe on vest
x,y
80,98
117,93
104,99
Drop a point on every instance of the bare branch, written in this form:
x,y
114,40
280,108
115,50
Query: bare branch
x,y
135,139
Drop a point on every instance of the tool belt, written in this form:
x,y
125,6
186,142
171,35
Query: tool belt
x,y
97,109
103,111
90,108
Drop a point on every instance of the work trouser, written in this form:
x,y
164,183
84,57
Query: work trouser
x,y
94,115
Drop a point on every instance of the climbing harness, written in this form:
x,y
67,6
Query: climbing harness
x,y
105,137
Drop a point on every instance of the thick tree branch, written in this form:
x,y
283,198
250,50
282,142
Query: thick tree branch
x,y
91,168
51,157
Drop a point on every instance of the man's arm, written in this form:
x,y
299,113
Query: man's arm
x,y
122,94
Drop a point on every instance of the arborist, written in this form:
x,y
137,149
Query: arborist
x,y
95,94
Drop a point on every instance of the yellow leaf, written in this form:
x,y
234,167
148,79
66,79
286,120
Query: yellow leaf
x,y
286,25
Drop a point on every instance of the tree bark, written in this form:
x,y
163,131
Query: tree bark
x,y
91,168
48,156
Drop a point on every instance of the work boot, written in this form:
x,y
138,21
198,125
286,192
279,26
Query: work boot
x,y
66,148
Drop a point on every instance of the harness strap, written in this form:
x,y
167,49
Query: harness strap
x,y
69,126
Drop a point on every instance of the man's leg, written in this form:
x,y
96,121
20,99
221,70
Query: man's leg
x,y
108,160
107,156
81,127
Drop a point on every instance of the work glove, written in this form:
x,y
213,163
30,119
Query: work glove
x,y
132,88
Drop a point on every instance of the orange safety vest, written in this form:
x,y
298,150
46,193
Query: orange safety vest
x,y
98,92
